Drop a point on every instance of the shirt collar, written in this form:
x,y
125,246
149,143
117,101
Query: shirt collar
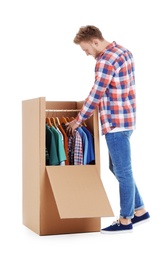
x,y
108,47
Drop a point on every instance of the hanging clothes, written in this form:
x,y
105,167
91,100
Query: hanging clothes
x,y
65,143
90,151
51,151
55,153
59,145
77,149
84,143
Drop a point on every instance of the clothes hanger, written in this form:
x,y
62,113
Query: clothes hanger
x,y
57,120
68,119
84,124
53,122
48,121
71,118
63,120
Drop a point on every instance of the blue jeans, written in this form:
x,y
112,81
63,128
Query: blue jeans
x,y
120,164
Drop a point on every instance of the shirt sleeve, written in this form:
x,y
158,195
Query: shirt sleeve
x,y
103,76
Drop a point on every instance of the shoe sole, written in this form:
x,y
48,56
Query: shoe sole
x,y
141,222
115,232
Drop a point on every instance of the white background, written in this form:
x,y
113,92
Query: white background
x,y
38,58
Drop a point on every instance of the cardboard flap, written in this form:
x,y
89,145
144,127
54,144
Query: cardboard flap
x,y
78,191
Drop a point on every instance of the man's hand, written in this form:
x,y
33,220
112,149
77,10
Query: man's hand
x,y
71,126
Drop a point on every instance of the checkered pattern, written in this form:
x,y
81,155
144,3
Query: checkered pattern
x,y
78,149
75,149
113,91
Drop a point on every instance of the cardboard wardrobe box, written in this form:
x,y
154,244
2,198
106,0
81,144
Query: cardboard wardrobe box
x,y
59,199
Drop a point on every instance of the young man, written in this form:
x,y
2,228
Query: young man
x,y
113,93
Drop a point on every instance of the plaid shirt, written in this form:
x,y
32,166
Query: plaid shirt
x,y
75,149
113,91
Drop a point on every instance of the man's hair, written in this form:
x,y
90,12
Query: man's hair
x,y
88,33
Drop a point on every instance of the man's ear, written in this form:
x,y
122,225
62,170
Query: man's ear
x,y
95,42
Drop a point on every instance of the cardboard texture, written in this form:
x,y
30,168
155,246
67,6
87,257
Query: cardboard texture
x,y
58,199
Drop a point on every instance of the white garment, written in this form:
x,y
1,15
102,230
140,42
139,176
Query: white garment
x,y
119,129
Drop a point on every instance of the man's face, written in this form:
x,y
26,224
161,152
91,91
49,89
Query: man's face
x,y
89,48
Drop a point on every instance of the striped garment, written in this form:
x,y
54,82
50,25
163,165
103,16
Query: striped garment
x,y
113,91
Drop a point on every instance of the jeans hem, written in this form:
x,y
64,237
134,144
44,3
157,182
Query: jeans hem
x,y
127,217
141,207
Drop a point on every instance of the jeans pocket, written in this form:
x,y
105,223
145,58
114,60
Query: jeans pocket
x,y
127,133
